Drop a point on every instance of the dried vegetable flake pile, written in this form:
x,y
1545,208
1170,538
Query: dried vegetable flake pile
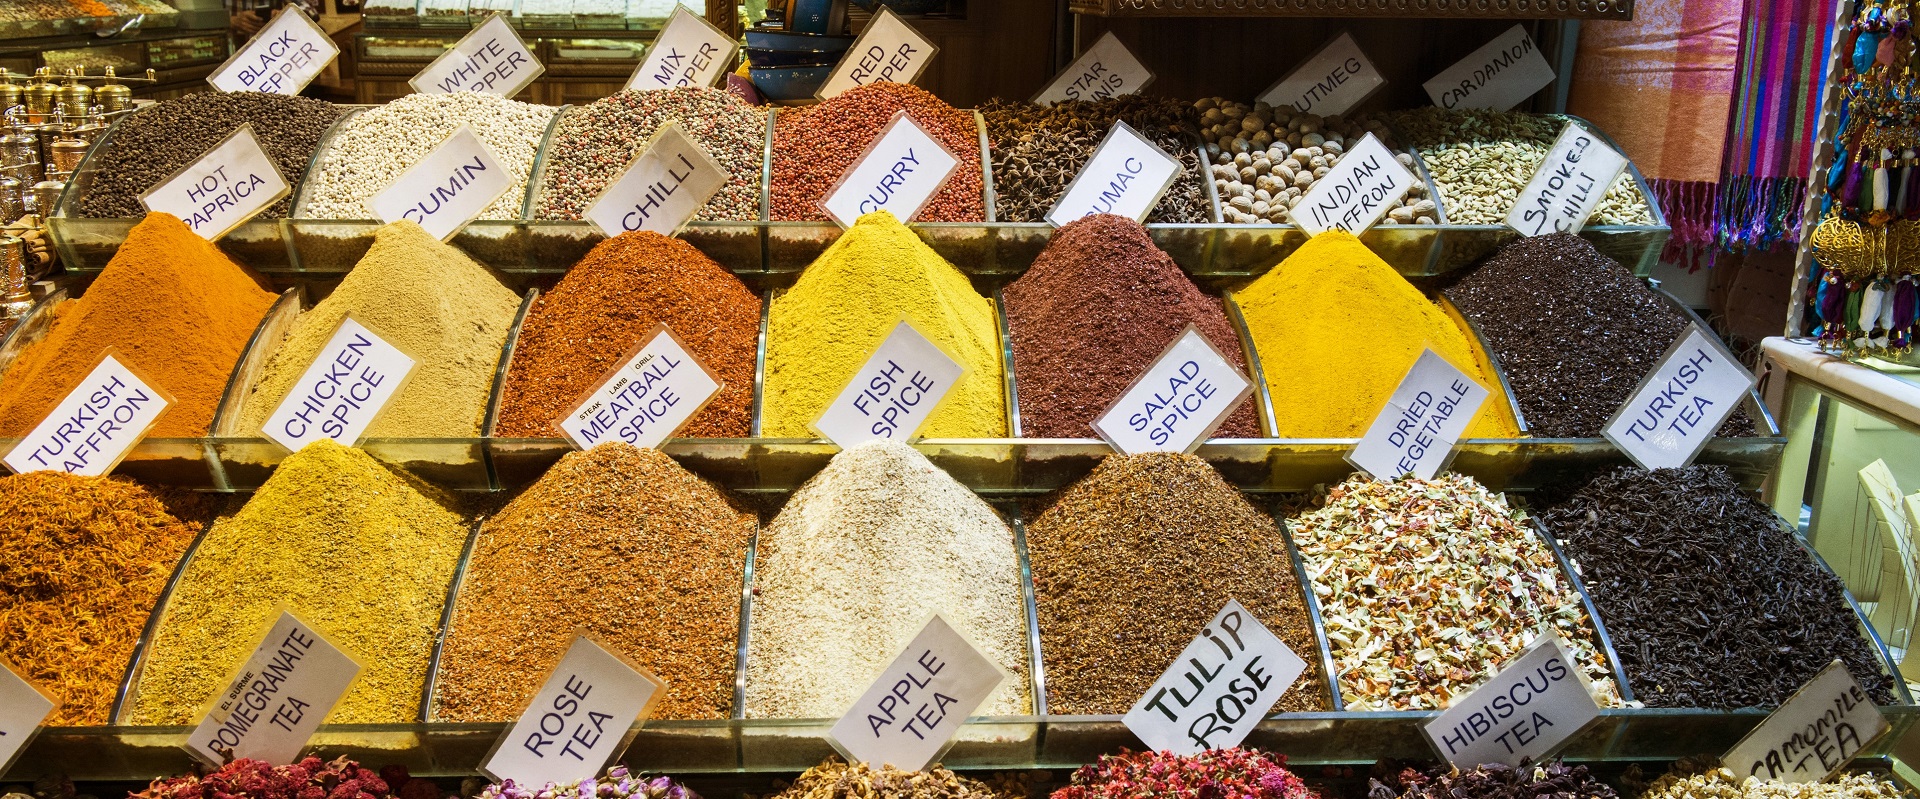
x,y
1427,587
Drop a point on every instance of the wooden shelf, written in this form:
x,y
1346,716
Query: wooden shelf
x,y
1436,9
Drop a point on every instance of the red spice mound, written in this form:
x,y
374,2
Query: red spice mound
x,y
814,146
609,304
1213,774
311,778
1092,313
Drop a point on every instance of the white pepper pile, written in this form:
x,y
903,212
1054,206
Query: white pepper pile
x,y
594,142
1480,160
1264,159
852,567
1427,587
155,142
372,149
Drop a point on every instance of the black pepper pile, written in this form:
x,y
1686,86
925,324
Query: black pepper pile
x,y
152,144
1709,600
1493,781
1037,150
1574,330
1129,564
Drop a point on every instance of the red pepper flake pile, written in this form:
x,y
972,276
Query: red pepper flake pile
x,y
1213,774
82,562
814,146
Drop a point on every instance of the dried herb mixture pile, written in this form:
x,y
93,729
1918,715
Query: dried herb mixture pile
x,y
836,779
1238,773
1722,784
1427,586
1555,779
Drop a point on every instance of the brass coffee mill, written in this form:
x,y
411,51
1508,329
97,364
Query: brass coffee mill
x,y
47,124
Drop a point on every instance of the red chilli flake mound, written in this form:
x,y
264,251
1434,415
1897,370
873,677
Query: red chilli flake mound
x,y
1213,774
814,146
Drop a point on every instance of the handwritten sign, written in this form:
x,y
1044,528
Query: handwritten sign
x,y
22,708
907,716
579,720
1497,76
1126,176
282,58
231,184
492,59
689,51
1218,689
646,399
1356,192
1422,421
669,182
1697,385
1535,703
898,174
1106,70
893,393
346,386
280,696
888,50
1813,734
1569,185
446,189
1333,80
94,426
1178,402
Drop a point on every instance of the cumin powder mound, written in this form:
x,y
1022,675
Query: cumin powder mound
x,y
620,543
1131,561
177,310
609,304
82,562
361,551
1092,313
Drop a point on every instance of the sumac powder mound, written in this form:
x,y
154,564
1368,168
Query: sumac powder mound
x,y
1092,313
608,305
1709,600
813,146
1574,330
153,143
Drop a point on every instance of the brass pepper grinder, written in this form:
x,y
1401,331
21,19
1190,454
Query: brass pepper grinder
x,y
15,298
40,97
10,92
113,95
13,199
76,94
19,149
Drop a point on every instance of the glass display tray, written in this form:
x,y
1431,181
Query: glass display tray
x,y
1215,253
1040,740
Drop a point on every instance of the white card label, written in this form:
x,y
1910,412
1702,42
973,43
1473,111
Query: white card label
x,y
492,59
899,174
1536,702
646,399
447,188
888,50
689,51
232,183
1126,176
907,716
95,426
1813,734
282,693
579,720
282,58
1331,81
345,387
22,708
1569,185
1427,414
1106,70
1697,385
1177,402
664,186
894,393
1497,76
1356,192
1218,689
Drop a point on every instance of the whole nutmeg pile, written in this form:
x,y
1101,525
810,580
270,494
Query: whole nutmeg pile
x,y
1264,159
